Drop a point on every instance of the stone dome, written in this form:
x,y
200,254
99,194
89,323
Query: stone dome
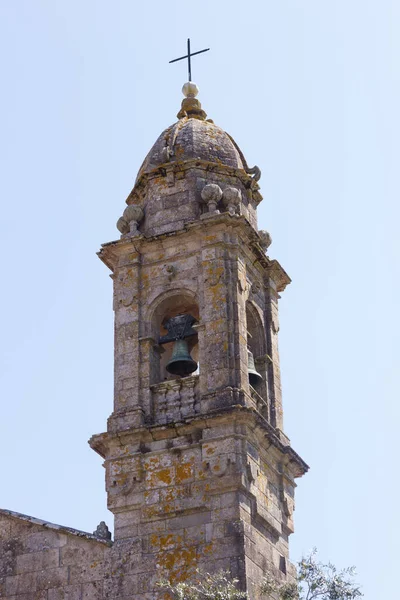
x,y
192,138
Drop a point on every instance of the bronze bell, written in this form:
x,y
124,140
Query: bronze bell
x,y
181,363
254,376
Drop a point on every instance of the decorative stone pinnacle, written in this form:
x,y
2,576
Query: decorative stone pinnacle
x,y
231,198
190,90
265,239
211,194
128,223
191,107
102,531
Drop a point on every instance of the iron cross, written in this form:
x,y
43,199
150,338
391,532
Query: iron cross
x,y
188,56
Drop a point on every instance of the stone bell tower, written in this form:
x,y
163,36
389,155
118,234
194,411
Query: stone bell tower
x,y
199,473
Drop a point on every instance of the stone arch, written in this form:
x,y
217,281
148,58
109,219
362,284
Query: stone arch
x,y
256,338
164,305
257,344
169,304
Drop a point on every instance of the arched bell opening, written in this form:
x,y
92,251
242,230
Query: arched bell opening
x,y
179,358
257,357
173,325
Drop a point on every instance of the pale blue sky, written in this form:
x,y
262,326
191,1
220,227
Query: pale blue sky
x,y
310,90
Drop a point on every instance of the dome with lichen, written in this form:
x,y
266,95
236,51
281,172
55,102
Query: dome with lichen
x,y
189,158
193,137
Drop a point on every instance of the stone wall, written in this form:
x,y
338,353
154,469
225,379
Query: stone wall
x,y
40,561
206,493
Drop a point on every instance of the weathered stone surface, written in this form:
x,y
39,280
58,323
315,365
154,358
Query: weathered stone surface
x,y
38,563
199,474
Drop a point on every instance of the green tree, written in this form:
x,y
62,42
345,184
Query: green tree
x,y
315,581
220,586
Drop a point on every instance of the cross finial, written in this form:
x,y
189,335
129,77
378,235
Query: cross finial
x,y
188,56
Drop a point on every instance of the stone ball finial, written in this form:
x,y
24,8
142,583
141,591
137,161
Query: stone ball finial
x,y
122,225
265,240
191,107
190,90
128,223
133,212
211,194
232,198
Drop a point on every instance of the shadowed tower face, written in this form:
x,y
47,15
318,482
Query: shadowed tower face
x,y
199,473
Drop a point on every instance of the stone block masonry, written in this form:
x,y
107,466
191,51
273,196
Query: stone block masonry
x,y
42,561
199,473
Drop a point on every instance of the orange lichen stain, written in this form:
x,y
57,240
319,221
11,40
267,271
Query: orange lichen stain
x,y
93,565
150,497
208,548
145,280
152,463
120,479
172,494
129,274
165,542
210,451
164,475
159,478
201,475
180,564
184,472
150,511
116,467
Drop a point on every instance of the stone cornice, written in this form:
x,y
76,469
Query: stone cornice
x,y
247,180
111,251
100,442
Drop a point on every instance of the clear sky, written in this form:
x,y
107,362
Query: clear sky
x,y
310,90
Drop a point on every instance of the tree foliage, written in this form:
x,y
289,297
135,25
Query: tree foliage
x,y
220,586
315,581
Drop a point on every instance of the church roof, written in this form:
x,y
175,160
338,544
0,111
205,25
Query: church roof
x,y
53,526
